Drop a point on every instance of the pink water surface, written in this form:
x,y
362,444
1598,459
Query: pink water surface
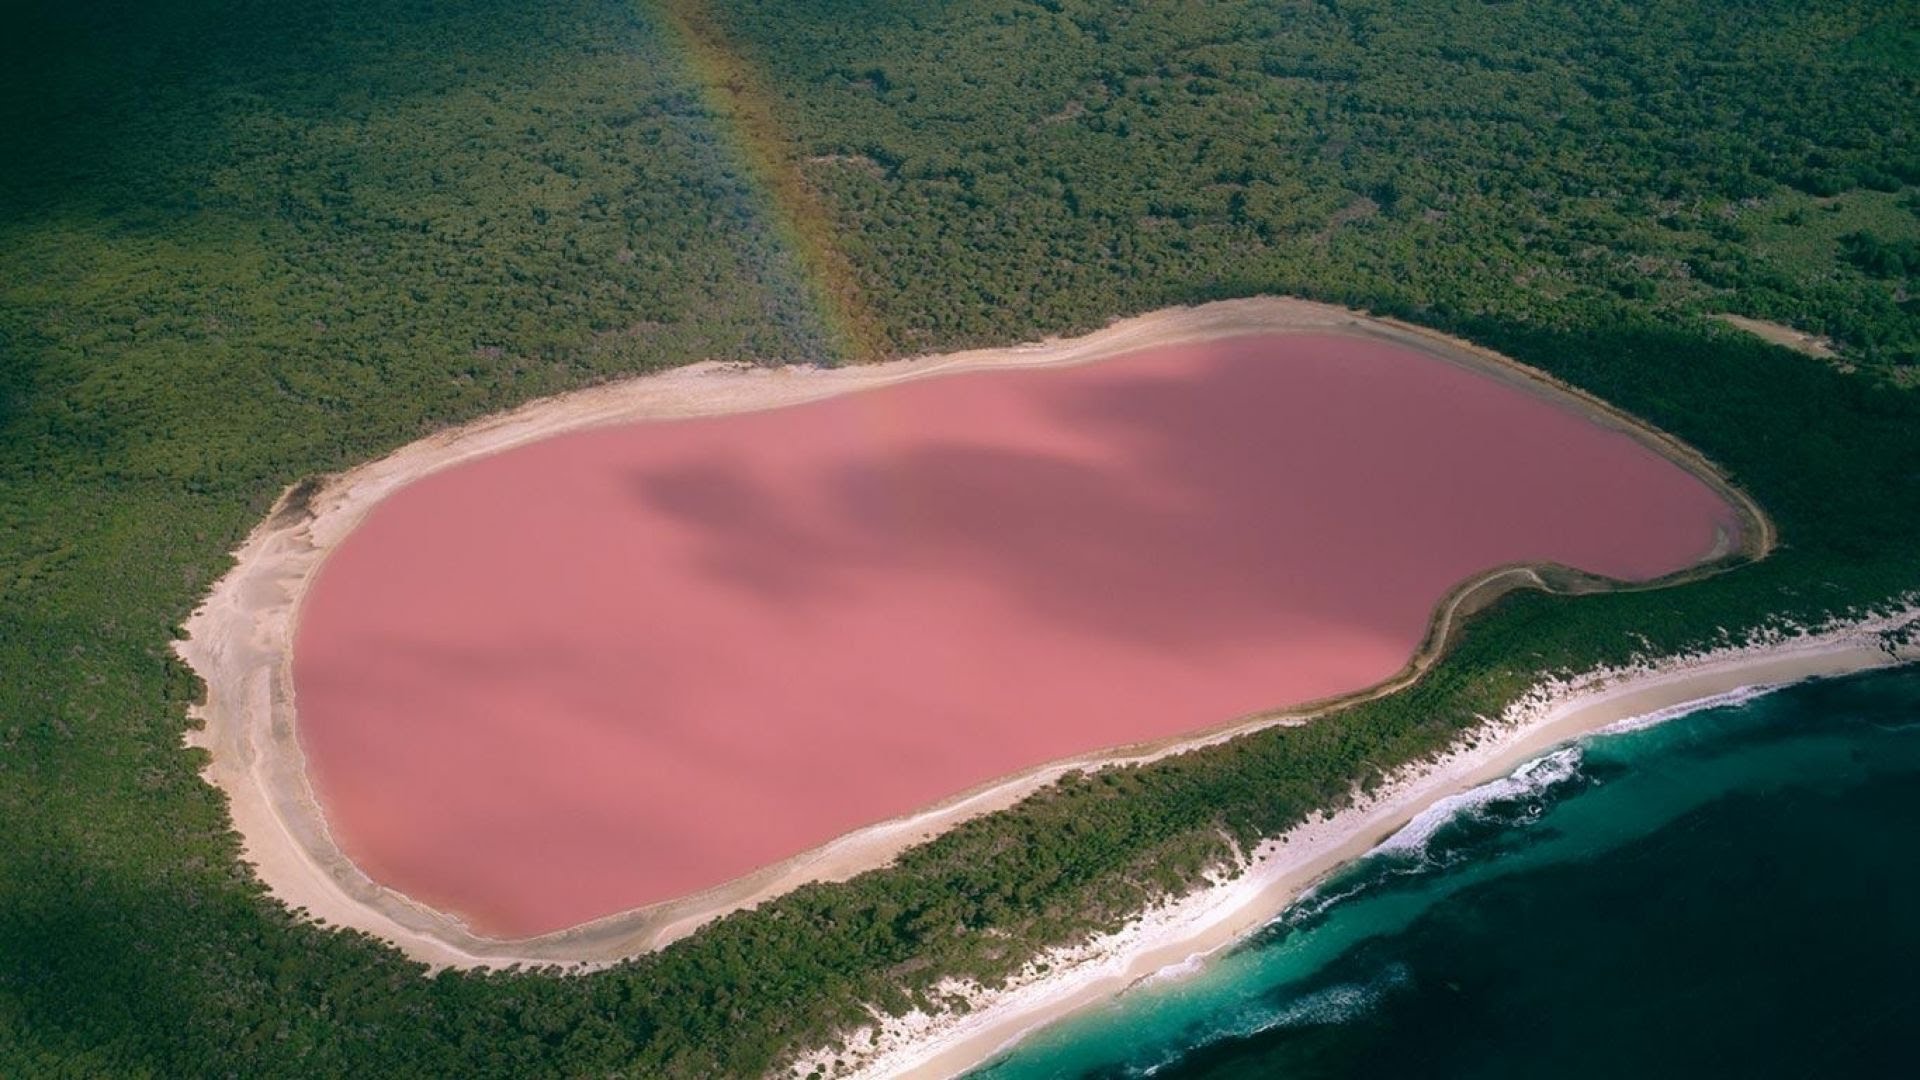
x,y
621,666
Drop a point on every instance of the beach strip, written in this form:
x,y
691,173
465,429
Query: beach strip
x,y
1178,935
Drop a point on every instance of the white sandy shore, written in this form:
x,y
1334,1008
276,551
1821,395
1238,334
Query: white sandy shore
x,y
1175,937
240,640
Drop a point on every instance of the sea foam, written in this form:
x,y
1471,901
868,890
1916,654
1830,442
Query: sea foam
x,y
1337,1004
1534,778
1737,696
1409,851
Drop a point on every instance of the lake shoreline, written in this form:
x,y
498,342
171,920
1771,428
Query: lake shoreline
x,y
240,639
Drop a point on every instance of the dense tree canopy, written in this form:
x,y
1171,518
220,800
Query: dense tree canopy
x,y
246,242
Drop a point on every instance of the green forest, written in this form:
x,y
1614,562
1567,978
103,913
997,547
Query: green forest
x,y
244,243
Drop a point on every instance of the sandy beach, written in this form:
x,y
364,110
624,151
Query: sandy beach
x,y
1177,936
240,640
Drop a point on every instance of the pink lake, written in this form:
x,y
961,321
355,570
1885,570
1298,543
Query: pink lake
x,y
625,665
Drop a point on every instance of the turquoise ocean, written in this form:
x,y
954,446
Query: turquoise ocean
x,y
1731,892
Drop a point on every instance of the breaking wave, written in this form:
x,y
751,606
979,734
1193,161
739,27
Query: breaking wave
x,y
1737,696
1513,800
1523,787
1336,1004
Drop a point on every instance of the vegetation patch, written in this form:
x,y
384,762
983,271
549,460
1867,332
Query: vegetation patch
x,y
246,243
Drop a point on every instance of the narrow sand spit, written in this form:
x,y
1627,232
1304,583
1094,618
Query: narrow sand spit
x,y
240,640
1176,937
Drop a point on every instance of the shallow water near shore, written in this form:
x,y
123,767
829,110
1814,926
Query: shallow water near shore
x,y
1729,892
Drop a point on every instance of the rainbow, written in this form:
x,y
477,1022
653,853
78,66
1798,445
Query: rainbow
x,y
802,221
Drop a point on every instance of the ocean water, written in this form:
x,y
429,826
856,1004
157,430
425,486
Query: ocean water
x,y
1733,892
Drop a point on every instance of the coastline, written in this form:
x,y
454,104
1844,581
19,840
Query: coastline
x,y
1180,934
239,641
